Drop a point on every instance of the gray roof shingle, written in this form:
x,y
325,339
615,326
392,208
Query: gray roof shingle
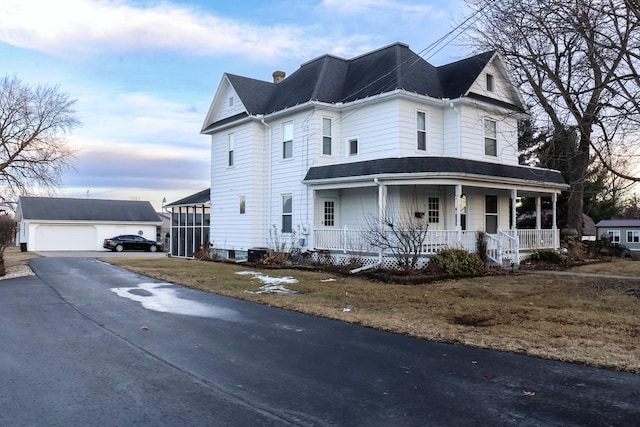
x,y
441,165
69,209
200,198
619,223
331,79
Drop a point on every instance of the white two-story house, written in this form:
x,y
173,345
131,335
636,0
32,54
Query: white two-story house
x,y
316,157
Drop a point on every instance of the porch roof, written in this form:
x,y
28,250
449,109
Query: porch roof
x,y
441,167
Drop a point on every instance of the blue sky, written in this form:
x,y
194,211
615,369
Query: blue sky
x,y
145,72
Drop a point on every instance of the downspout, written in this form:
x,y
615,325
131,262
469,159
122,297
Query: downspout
x,y
453,107
269,173
382,199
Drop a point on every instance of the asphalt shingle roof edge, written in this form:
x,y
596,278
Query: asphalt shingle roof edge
x,y
444,165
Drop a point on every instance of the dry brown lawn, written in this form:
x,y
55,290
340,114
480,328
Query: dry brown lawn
x,y
14,257
589,320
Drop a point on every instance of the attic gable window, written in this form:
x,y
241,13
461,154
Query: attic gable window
x,y
490,138
490,83
231,101
421,130
287,140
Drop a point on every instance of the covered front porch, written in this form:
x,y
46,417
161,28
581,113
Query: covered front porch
x,y
455,199
503,248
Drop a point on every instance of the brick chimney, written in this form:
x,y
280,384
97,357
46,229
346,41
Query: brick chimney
x,y
278,76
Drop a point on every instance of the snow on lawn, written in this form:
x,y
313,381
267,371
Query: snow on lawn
x,y
272,285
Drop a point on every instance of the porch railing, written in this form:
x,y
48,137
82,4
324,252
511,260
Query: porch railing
x,y
512,242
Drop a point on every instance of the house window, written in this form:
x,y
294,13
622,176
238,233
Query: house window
x,y
433,211
490,138
287,140
353,147
633,236
490,83
463,212
421,130
329,213
230,147
615,235
231,101
326,136
243,204
287,213
491,214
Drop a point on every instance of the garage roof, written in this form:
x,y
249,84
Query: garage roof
x,y
68,209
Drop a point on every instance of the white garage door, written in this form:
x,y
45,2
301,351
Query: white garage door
x,y
65,238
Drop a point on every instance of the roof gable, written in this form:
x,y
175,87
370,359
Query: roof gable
x,y
334,80
68,209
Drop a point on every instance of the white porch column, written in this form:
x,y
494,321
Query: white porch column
x,y
514,197
539,213
458,212
554,226
382,207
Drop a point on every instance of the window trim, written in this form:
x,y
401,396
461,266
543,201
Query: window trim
x,y
490,82
433,210
615,235
492,214
328,136
421,131
287,142
288,214
231,142
350,152
494,138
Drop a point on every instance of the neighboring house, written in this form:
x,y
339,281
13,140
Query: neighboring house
x,y
51,223
622,231
313,159
189,224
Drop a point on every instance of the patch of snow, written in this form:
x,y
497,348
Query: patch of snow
x,y
272,285
163,297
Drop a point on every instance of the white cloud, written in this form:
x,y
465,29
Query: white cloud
x,y
382,6
71,27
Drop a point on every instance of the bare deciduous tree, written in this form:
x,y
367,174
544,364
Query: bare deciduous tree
x,y
577,62
402,234
34,123
8,229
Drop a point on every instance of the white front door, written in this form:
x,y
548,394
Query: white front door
x,y
327,212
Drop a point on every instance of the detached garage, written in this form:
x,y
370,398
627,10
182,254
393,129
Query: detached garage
x,y
65,224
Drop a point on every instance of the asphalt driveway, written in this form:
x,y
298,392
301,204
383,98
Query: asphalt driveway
x,y
86,343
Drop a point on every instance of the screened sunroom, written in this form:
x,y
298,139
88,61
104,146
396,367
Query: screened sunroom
x,y
189,224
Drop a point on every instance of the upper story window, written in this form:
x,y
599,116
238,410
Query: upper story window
x,y
287,213
490,83
490,138
231,141
353,147
326,136
243,205
231,101
421,130
287,140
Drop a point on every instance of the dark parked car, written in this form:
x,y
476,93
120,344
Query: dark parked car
x,y
129,242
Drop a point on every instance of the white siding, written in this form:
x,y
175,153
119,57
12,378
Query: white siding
x,y
229,228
